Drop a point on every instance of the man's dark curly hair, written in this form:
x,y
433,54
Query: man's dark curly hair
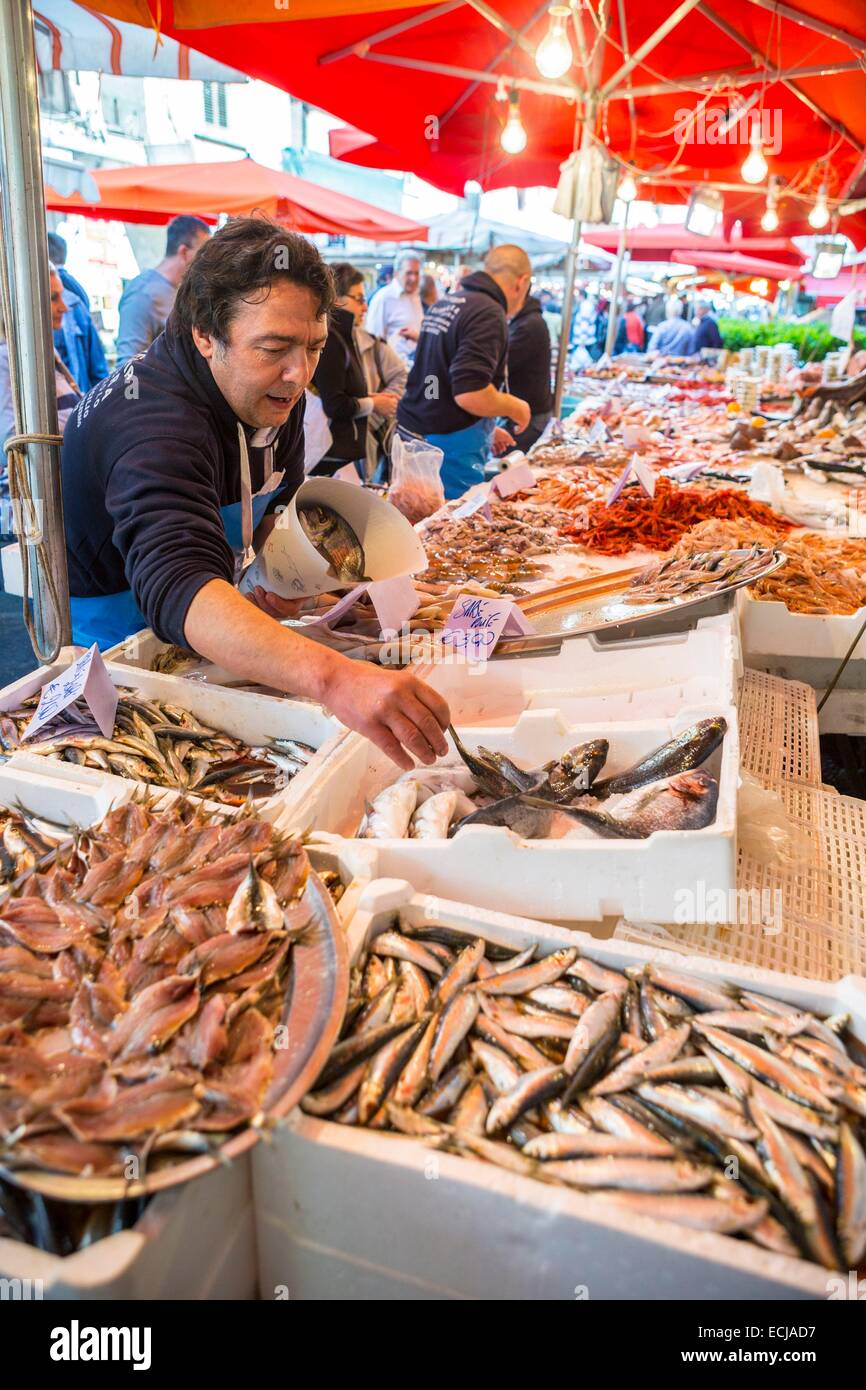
x,y
240,260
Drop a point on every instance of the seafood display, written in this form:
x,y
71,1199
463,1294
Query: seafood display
x,y
665,790
822,574
335,541
142,976
635,520
638,1087
500,553
698,574
158,742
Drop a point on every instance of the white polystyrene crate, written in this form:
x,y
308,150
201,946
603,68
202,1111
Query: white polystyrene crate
x,y
557,880
589,680
194,1241
243,714
142,648
350,1213
770,629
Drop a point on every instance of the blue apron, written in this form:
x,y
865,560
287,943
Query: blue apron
x,y
466,452
111,618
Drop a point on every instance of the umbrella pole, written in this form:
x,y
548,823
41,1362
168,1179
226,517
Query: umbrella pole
x,y
25,249
572,258
613,310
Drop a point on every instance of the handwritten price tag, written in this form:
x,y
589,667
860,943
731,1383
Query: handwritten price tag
x,y
597,433
633,436
475,625
641,471
517,479
87,679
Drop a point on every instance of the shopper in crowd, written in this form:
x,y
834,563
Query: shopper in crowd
x,y
583,326
529,355
635,333
395,312
67,391
654,311
429,292
57,252
77,339
173,471
673,338
360,379
460,275
600,326
454,392
148,300
705,330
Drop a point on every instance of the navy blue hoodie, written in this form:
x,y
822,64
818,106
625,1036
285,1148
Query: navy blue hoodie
x,y
462,347
149,457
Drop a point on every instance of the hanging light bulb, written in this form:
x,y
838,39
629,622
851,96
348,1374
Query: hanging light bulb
x,y
553,56
770,219
627,191
820,214
754,168
513,137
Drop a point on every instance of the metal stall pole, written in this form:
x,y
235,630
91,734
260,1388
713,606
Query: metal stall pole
x,y
572,258
25,250
613,311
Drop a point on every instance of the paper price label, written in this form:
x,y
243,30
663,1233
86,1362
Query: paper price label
x,y
475,625
87,679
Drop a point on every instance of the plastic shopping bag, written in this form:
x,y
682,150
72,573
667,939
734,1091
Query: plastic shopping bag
x,y
416,487
317,432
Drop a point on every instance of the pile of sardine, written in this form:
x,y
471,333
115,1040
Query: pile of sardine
x,y
160,743
665,790
698,1103
142,972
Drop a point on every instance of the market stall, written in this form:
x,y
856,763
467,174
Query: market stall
x,y
494,1026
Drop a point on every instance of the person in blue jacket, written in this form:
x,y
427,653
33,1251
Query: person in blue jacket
x,y
76,340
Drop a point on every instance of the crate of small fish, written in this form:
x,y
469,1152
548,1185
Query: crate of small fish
x,y
552,1117
548,819
224,746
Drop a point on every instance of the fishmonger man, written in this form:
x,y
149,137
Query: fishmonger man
x,y
173,468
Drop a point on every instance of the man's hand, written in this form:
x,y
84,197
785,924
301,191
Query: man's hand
x,y
519,412
501,441
409,333
273,605
393,709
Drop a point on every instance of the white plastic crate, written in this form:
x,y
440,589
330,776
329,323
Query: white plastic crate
x,y
349,1213
588,679
779,730
557,880
196,1241
770,630
254,718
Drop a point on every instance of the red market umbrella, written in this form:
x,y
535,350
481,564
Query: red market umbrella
x,y
657,244
663,78
736,263
156,193
831,291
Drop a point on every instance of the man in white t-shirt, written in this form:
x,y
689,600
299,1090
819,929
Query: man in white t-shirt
x,y
396,311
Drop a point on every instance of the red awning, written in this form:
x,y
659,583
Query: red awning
x,y
156,193
831,291
657,244
736,263
422,81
